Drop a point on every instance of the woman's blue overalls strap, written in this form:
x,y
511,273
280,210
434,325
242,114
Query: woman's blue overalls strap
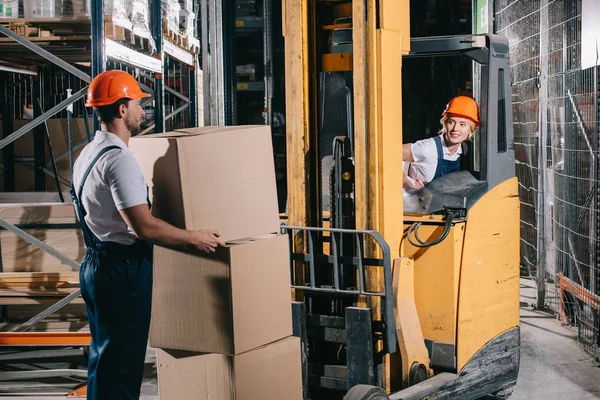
x,y
116,284
444,167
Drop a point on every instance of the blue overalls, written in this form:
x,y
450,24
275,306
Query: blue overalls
x,y
116,284
444,167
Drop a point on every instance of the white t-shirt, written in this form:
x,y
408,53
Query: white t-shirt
x,y
114,183
424,153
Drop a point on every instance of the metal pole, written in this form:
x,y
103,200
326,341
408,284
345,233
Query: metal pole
x,y
70,132
38,137
7,127
193,94
98,53
49,311
228,54
159,85
542,158
268,60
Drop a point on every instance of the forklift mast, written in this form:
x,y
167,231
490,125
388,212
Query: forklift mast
x,y
345,217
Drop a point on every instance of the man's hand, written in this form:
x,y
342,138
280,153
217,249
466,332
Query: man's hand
x,y
413,183
207,240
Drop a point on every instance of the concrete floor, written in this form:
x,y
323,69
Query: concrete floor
x,y
553,366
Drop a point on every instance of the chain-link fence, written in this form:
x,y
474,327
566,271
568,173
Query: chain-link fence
x,y
556,105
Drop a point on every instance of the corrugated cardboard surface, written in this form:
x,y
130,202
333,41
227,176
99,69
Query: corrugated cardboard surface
x,y
191,376
226,179
36,213
228,303
272,372
19,255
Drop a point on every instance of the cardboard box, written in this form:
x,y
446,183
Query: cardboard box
x,y
271,372
39,218
219,178
230,302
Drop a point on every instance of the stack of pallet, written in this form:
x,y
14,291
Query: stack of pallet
x,y
222,322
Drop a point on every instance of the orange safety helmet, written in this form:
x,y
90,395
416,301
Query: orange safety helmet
x,y
463,106
108,87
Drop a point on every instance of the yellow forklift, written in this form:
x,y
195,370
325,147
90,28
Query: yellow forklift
x,y
394,299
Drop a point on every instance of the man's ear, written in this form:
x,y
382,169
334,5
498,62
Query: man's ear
x,y
122,110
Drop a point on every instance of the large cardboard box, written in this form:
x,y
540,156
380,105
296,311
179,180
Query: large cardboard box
x,y
232,301
219,178
272,372
53,223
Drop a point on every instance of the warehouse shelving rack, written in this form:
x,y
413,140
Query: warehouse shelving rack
x,y
93,47
169,75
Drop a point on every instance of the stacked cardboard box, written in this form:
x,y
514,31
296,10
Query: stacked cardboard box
x,y
222,322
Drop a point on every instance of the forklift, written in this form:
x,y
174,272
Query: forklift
x,y
395,299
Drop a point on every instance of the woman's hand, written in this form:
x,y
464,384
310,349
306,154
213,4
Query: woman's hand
x,y
413,183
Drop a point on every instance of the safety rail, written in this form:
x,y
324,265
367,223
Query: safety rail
x,y
344,254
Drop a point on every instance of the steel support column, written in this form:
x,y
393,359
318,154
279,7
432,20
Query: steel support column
x,y
38,136
193,95
213,62
7,128
98,53
159,85
229,68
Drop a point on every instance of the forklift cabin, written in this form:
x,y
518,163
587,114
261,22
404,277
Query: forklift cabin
x,y
358,335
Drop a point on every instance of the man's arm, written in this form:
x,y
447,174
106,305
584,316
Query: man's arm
x,y
157,231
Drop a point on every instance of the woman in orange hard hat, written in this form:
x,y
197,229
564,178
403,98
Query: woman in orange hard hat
x,y
438,156
110,196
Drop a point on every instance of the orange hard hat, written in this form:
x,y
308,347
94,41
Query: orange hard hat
x,y
108,87
463,106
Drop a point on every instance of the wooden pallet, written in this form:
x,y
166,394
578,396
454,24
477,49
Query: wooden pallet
x,y
68,38
174,37
193,46
126,36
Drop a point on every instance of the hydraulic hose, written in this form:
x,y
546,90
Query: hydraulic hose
x,y
414,230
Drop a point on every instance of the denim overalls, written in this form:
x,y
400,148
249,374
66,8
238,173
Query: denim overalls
x,y
116,284
444,167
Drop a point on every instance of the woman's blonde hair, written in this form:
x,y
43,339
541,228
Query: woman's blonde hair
x,y
444,120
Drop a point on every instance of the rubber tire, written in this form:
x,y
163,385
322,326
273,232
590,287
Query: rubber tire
x,y
504,393
366,392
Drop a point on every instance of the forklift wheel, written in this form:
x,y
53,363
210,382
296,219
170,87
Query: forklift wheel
x,y
366,392
504,393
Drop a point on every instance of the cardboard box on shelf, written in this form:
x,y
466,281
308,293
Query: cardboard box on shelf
x,y
219,178
230,302
269,372
53,223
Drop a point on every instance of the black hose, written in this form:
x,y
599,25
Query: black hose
x,y
414,229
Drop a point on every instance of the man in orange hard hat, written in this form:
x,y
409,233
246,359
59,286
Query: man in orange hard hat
x,y
110,196
438,156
